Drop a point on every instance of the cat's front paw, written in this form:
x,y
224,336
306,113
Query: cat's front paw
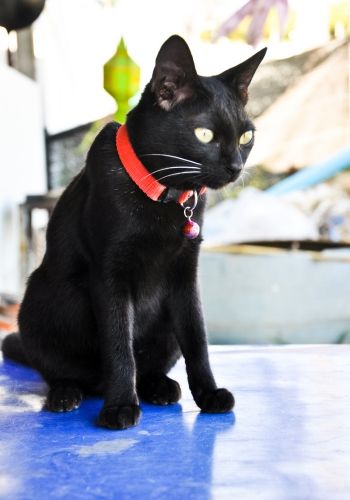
x,y
119,417
218,401
159,390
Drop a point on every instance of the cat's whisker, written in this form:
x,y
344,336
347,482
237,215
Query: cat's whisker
x,y
247,174
172,156
169,168
244,176
179,173
249,167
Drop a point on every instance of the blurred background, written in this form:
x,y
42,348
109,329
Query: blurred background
x,y
275,265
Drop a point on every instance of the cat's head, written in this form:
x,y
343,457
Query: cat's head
x,y
193,131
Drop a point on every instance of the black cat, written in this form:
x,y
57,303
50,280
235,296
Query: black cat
x,y
115,301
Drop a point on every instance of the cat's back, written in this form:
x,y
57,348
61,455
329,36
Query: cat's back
x,y
68,226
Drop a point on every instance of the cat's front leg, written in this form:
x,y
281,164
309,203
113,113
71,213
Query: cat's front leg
x,y
115,318
190,331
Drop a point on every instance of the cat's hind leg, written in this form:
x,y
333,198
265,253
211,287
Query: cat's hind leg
x,y
64,396
58,335
12,348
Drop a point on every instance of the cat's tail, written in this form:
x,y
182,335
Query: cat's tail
x,y
12,348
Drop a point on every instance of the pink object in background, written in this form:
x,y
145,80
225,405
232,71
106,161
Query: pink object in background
x,y
258,10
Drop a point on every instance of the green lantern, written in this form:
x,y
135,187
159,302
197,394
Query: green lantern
x,y
121,80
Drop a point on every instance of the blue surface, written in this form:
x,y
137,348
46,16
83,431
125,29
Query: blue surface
x,y
314,174
289,437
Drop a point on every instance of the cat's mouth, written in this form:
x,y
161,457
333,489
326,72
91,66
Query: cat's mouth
x,y
204,180
221,180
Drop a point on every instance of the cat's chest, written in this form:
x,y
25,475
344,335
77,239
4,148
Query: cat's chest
x,y
156,251
157,217
164,221
153,240
158,231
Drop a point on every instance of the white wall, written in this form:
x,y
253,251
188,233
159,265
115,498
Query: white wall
x,y
22,164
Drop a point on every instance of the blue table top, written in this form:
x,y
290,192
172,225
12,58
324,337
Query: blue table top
x,y
289,437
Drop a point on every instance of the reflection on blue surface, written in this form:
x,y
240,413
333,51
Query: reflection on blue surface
x,y
289,437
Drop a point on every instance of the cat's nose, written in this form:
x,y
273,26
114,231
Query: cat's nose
x,y
236,164
235,168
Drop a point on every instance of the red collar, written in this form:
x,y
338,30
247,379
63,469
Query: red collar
x,y
138,172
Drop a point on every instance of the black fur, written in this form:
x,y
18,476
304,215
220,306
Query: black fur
x,y
115,302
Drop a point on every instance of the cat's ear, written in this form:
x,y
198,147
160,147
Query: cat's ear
x,y
239,77
174,77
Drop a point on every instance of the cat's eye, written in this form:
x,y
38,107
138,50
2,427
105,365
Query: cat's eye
x,y
246,138
204,135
